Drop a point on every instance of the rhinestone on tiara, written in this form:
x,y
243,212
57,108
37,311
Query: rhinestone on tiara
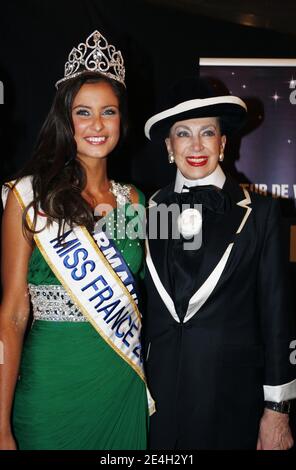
x,y
95,55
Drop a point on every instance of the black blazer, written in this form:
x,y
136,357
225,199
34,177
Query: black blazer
x,y
207,372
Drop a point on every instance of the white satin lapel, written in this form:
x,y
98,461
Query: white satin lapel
x,y
204,292
151,202
244,203
166,298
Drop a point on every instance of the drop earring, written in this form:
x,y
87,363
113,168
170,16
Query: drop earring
x,y
171,157
221,157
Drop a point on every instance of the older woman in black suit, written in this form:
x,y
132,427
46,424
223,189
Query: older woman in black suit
x,y
218,328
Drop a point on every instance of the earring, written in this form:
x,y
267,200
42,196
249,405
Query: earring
x,y
221,157
171,157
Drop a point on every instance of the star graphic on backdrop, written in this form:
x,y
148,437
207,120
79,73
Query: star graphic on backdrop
x,y
292,83
275,97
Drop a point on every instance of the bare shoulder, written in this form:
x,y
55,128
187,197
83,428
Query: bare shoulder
x,y
12,206
134,194
16,245
137,196
12,221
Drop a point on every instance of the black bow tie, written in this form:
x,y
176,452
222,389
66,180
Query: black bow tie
x,y
211,197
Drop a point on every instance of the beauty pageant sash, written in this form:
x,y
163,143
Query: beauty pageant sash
x,y
96,277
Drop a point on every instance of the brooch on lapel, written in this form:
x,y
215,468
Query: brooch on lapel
x,y
189,223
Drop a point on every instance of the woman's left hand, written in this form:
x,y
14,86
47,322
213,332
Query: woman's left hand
x,y
274,431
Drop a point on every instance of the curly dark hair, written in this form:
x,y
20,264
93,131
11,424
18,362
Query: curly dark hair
x,y
58,178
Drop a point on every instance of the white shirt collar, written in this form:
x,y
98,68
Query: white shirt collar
x,y
217,178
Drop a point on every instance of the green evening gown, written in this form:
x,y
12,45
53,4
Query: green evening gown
x,y
74,392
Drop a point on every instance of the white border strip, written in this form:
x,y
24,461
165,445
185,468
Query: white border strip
x,y
228,61
204,292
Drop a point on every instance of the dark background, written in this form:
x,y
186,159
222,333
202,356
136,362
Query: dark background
x,y
161,40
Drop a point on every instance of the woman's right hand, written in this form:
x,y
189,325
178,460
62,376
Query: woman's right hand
x,y
7,441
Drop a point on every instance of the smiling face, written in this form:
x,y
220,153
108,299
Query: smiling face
x,y
96,120
196,145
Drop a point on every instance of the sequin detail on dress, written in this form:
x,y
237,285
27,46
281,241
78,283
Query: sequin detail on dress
x,y
53,303
122,193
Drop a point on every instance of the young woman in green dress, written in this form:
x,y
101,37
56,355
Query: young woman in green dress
x,y
69,385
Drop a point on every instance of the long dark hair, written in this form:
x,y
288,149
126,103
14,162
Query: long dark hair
x,y
57,176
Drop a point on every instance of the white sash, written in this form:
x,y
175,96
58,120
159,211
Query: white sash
x,y
89,278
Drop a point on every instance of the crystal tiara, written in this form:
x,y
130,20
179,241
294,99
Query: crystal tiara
x,y
95,55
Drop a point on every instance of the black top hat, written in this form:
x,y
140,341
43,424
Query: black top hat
x,y
191,98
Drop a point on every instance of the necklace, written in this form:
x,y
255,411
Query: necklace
x,y
121,192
